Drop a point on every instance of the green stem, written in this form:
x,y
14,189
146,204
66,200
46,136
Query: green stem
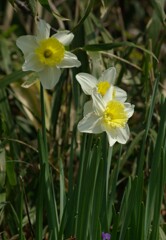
x,y
46,178
44,131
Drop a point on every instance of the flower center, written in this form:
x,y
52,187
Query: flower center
x,y
50,51
102,87
47,53
115,115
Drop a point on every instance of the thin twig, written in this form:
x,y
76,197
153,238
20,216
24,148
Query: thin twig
x,y
21,142
121,59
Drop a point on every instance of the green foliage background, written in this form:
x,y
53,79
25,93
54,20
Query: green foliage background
x,y
56,183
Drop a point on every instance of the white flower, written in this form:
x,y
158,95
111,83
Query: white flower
x,y
46,55
89,83
107,115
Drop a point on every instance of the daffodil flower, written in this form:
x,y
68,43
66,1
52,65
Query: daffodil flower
x,y
47,55
89,83
107,115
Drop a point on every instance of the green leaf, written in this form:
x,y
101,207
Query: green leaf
x,y
134,144
48,192
13,77
62,188
159,8
4,49
32,5
156,184
161,234
110,46
129,203
2,167
11,173
87,12
45,4
148,124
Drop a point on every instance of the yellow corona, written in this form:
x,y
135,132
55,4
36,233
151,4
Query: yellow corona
x,y
102,87
114,115
50,52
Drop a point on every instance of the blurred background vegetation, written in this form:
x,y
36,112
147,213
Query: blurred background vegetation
x,y
104,31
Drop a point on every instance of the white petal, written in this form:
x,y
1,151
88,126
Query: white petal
x,y
123,134
27,44
90,124
98,103
109,95
87,82
49,77
70,60
129,109
88,107
65,37
43,30
108,75
120,94
111,138
97,127
32,63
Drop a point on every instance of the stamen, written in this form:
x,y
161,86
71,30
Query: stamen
x,y
115,115
47,53
102,87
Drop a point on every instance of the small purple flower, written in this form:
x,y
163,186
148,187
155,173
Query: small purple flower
x,y
106,236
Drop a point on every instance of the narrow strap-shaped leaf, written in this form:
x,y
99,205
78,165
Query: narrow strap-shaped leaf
x,y
87,12
110,46
13,77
